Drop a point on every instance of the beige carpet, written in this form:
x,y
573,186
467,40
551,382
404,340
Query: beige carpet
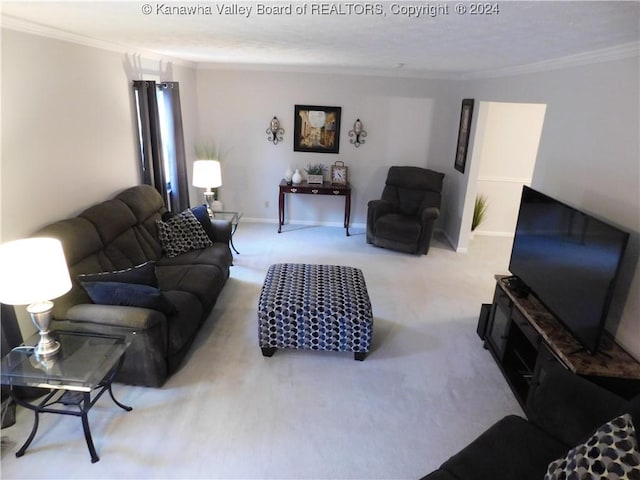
x,y
426,390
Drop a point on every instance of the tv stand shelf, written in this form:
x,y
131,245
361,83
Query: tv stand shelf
x,y
524,337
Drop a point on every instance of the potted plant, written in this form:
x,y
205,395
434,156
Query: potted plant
x,y
315,173
479,211
207,151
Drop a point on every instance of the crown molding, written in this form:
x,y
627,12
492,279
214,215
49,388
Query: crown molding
x,y
19,25
324,70
619,52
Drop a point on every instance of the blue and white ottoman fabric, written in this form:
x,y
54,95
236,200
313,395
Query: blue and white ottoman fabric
x,y
316,307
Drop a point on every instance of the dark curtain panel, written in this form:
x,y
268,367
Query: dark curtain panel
x,y
150,137
179,185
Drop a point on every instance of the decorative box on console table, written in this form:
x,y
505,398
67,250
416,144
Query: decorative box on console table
x,y
524,338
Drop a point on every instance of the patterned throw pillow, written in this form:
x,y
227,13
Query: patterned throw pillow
x,y
611,453
182,233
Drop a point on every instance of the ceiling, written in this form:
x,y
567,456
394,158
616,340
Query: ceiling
x,y
346,36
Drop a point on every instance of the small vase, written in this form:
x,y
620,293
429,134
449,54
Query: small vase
x,y
288,175
297,176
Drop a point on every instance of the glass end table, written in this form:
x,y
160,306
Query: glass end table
x,y
231,217
85,364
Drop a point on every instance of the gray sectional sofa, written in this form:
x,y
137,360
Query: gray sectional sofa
x,y
122,233
567,417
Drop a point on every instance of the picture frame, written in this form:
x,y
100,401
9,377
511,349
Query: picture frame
x,y
316,129
464,132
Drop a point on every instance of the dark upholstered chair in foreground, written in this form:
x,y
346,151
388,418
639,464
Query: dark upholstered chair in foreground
x,y
403,219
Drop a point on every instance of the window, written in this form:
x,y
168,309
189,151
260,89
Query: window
x,y
161,140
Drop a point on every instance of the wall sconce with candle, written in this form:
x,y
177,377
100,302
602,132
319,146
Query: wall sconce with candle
x,y
274,131
358,132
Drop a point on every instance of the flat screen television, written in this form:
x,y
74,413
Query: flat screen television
x,y
569,260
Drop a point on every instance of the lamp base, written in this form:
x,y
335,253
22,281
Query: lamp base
x,y
40,313
47,346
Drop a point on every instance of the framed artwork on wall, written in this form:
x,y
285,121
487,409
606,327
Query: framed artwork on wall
x,y
464,130
316,129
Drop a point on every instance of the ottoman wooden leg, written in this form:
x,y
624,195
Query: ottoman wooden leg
x,y
360,356
268,351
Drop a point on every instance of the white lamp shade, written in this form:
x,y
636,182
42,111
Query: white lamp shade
x,y
207,174
32,270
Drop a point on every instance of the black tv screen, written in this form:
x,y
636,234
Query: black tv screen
x,y
569,260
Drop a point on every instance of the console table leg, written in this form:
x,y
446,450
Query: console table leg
x,y
280,211
347,211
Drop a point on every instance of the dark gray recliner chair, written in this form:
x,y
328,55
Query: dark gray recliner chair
x,y
403,219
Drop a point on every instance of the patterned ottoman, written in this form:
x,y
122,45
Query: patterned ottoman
x,y
317,307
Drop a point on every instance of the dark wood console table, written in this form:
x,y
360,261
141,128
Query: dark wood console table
x,y
325,189
524,338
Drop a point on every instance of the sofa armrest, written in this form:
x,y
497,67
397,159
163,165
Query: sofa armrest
x,y
570,407
134,318
221,230
145,362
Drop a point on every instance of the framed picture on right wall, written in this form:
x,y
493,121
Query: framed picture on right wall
x,y
464,130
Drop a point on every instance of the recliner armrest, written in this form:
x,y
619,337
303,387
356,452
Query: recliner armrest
x,y
429,213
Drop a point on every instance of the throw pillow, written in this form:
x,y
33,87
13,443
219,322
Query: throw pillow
x,y
182,233
201,212
611,453
144,274
129,295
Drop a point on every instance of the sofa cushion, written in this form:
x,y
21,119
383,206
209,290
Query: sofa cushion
x,y
144,274
217,255
610,453
524,453
128,294
203,281
182,233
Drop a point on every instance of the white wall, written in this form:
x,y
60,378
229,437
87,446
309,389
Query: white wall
x,y
589,155
236,106
68,128
507,160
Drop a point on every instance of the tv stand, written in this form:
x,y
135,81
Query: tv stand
x,y
524,338
517,286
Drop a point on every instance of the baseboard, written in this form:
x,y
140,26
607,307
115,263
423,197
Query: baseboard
x,y
309,223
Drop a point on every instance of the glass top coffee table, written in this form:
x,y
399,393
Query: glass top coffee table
x,y
85,364
231,217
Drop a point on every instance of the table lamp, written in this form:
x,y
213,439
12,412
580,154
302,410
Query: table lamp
x,y
34,271
207,175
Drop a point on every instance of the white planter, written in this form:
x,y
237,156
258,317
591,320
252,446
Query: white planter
x,y
315,179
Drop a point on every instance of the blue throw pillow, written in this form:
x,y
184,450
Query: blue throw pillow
x,y
129,295
144,274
